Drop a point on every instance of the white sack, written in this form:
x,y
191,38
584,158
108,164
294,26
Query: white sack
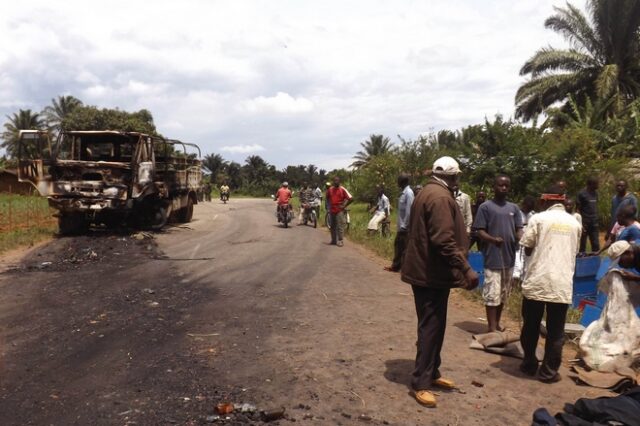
x,y
613,341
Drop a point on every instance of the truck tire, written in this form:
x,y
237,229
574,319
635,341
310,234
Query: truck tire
x,y
158,218
72,224
185,214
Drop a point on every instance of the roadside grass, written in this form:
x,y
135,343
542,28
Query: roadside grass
x,y
382,246
24,220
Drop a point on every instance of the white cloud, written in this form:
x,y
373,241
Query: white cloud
x,y
308,81
281,103
242,149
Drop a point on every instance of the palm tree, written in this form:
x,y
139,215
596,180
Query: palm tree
x,y
215,163
22,120
376,145
59,110
311,172
233,172
255,168
603,60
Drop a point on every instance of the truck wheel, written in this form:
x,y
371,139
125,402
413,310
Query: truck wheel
x,y
185,214
72,224
158,218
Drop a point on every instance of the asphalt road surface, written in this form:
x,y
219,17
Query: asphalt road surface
x,y
115,330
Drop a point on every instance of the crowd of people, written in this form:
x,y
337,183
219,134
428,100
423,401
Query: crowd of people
x,y
337,199
535,250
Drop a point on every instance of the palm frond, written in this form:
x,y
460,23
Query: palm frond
x,y
572,24
550,59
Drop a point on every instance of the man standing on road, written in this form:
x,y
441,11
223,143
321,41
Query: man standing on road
x,y
499,225
464,202
551,239
338,198
404,212
587,204
435,261
381,211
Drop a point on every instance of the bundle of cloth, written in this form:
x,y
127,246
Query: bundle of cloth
x,y
612,343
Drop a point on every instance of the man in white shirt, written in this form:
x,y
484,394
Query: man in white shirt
x,y
404,212
380,212
464,202
552,239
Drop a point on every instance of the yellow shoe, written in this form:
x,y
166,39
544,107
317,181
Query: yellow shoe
x,y
426,398
444,383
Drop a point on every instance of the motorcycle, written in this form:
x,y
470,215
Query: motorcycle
x,y
285,214
309,214
224,197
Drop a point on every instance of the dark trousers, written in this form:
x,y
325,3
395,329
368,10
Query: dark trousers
x,y
398,249
532,311
431,307
592,232
337,226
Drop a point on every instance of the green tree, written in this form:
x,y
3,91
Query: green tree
x,y
603,60
92,118
58,110
376,145
24,119
215,163
233,172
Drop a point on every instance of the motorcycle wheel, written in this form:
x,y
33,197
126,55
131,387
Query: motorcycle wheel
x,y
314,219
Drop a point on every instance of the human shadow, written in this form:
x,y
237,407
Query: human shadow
x,y
472,327
511,366
399,371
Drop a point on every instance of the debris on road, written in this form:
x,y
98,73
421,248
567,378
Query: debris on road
x,y
142,236
224,408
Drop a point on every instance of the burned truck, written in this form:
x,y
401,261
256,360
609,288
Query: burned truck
x,y
112,178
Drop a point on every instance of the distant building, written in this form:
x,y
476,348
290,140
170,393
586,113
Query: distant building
x,y
9,183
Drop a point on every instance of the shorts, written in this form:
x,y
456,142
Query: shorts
x,y
497,286
375,221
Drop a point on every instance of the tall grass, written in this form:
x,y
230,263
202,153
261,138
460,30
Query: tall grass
x,y
358,233
24,220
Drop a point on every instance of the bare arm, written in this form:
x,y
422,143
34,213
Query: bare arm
x,y
487,238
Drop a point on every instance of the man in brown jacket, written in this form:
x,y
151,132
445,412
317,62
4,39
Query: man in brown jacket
x,y
435,261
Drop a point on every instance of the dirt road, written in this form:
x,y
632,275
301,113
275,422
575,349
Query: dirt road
x,y
108,329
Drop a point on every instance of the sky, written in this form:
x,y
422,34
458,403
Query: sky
x,y
296,82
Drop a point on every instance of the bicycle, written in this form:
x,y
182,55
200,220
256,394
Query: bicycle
x,y
327,220
385,228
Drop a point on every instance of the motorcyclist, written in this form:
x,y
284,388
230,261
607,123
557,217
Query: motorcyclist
x,y
317,193
224,190
309,199
305,196
283,197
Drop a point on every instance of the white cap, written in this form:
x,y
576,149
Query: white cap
x,y
285,183
446,166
